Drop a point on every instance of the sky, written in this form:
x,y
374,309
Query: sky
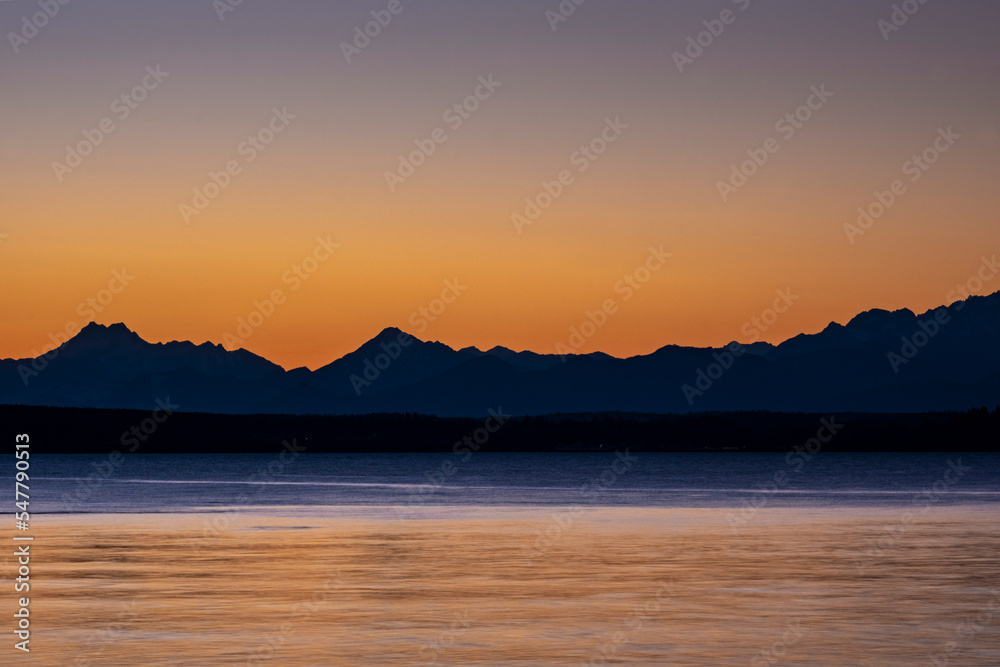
x,y
242,174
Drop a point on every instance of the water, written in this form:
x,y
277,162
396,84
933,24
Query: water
x,y
525,560
264,482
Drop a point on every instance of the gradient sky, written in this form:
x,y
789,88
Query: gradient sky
x,y
325,174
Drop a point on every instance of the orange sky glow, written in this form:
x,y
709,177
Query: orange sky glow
x,y
592,123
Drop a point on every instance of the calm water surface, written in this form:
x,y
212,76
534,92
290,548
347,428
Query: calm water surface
x,y
515,560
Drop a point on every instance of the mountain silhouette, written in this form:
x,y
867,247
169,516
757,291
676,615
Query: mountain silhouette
x,y
880,361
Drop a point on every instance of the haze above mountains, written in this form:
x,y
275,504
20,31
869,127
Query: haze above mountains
x,y
881,361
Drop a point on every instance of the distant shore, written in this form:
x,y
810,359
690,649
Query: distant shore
x,y
84,430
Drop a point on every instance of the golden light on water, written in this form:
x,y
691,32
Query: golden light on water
x,y
635,586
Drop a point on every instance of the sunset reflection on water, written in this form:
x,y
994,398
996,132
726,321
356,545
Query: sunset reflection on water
x,y
649,586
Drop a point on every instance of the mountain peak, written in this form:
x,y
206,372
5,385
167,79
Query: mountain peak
x,y
391,335
117,332
390,331
94,326
878,320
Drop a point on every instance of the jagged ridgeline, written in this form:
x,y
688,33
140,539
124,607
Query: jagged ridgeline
x,y
879,362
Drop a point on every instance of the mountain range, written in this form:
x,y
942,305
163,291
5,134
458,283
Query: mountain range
x,y
880,361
